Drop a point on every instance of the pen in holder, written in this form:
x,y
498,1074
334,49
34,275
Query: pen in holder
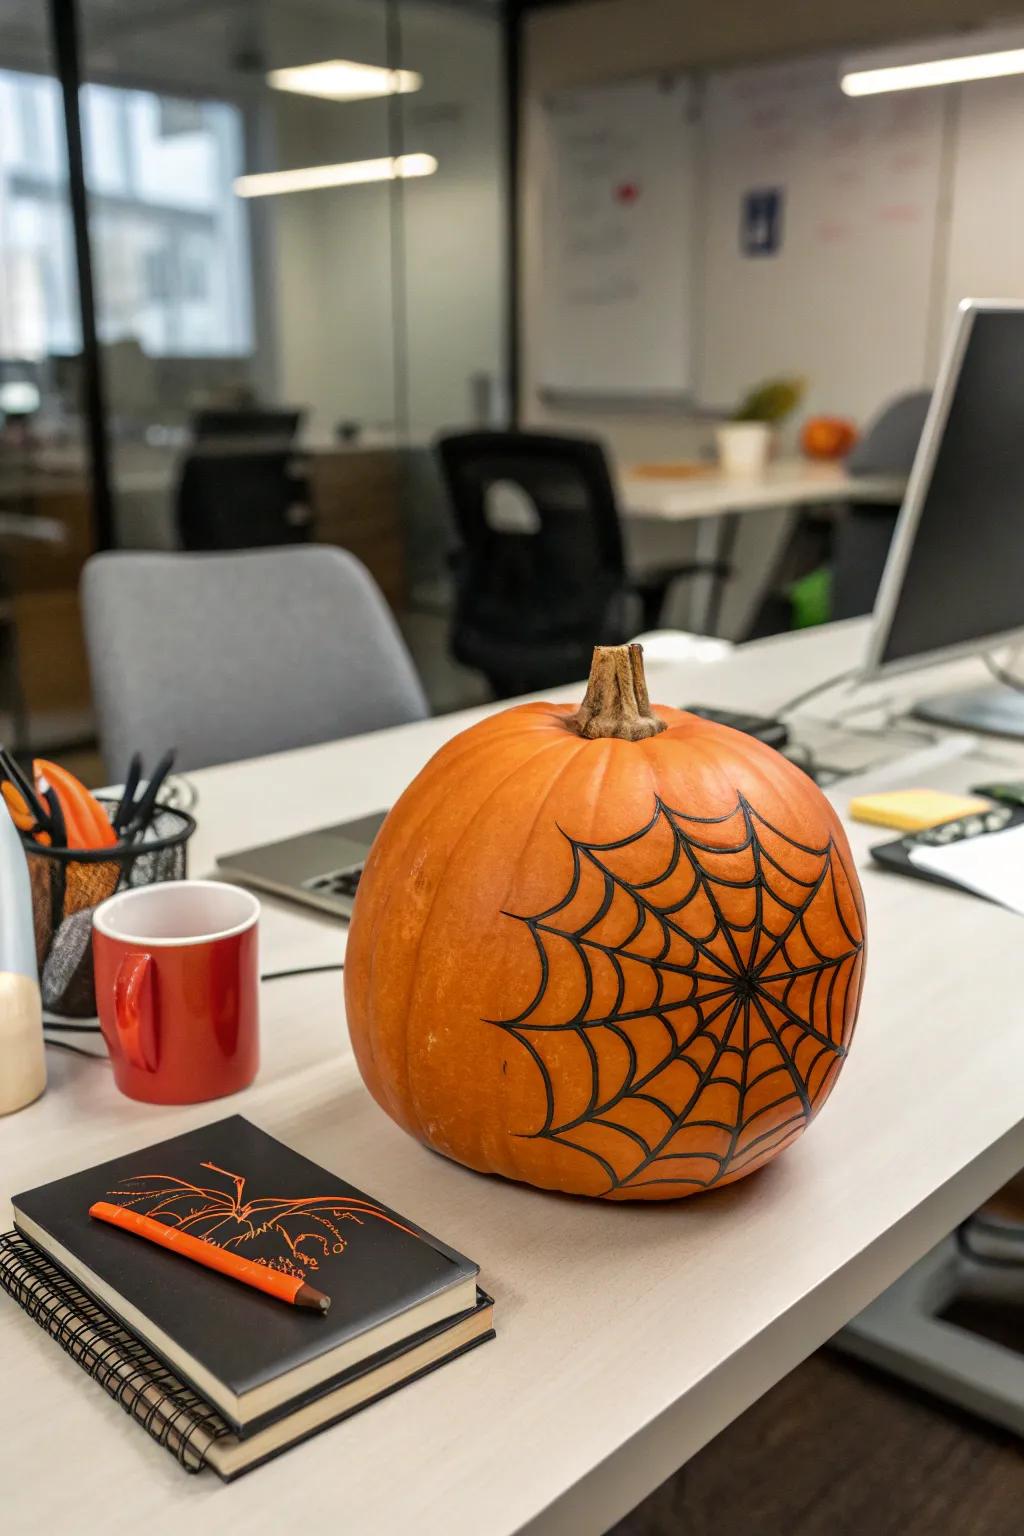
x,y
69,883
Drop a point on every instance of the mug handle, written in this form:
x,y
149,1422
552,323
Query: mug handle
x,y
133,1010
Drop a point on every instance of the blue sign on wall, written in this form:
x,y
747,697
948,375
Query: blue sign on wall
x,y
761,222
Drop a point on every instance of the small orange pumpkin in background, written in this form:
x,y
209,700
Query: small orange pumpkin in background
x,y
615,951
827,437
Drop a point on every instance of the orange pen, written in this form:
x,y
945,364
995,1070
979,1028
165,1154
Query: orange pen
x,y
285,1287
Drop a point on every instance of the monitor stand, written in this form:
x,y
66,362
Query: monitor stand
x,y
994,711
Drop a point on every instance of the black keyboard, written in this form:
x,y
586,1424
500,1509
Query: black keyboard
x,y
339,882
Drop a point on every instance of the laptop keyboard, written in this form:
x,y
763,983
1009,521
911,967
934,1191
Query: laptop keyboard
x,y
339,882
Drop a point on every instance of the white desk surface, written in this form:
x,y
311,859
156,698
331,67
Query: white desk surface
x,y
627,1337
786,483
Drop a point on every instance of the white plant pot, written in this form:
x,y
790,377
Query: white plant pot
x,y
743,448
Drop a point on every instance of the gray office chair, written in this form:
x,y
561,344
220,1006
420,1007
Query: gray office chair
x,y
226,656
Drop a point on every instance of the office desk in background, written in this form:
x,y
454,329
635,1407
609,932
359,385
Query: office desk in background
x,y
716,502
356,496
627,1337
785,483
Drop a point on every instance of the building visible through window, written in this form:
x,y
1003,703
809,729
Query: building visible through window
x,y
170,240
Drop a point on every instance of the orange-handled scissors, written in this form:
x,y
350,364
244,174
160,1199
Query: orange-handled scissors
x,y
32,814
85,821
23,818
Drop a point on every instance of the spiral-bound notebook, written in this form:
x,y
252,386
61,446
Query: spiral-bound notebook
x,y
172,1413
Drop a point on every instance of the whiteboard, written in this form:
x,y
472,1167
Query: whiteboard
x,y
986,243
617,241
844,298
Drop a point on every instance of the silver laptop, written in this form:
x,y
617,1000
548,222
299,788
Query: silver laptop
x,y
320,868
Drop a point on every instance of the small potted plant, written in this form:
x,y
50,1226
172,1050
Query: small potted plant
x,y
744,442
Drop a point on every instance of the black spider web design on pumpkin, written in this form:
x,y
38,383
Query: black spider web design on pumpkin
x,y
677,1009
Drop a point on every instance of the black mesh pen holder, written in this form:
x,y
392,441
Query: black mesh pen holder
x,y
68,884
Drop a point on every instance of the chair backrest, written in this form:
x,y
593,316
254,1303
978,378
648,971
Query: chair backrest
x,y
889,443
237,655
862,538
245,422
246,500
542,549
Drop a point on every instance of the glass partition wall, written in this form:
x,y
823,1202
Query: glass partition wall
x,y
297,224
46,503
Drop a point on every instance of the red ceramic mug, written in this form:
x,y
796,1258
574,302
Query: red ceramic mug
x,y
177,989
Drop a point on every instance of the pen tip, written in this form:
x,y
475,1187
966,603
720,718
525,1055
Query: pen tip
x,y
309,1296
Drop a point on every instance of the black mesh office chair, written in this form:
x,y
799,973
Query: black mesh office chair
x,y
242,500
540,575
246,424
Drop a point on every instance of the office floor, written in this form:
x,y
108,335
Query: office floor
x,y
839,1450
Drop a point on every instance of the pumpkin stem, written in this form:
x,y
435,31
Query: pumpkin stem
x,y
616,702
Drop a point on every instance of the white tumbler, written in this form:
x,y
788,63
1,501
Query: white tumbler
x,y
743,448
22,1057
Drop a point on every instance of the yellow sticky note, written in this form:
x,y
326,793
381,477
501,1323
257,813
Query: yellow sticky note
x,y
909,810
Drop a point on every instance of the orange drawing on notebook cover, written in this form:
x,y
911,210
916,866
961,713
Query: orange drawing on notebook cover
x,y
300,1233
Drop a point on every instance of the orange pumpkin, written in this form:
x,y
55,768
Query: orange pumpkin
x,y
827,437
612,951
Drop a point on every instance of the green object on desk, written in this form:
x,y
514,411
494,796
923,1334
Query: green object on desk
x,y
771,401
811,598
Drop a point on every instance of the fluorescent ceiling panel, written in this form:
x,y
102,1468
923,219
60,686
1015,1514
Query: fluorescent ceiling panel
x,y
344,80
348,173
943,61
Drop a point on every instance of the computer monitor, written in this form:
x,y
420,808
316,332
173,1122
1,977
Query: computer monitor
x,y
953,584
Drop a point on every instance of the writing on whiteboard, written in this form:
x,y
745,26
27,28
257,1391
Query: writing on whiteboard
x,y
618,232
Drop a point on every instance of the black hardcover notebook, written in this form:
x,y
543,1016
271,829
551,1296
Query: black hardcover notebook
x,y
251,1356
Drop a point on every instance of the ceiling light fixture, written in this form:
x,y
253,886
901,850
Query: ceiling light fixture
x,y
344,80
943,61
349,173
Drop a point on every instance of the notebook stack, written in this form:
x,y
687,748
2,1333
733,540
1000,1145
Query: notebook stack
x,y
220,1373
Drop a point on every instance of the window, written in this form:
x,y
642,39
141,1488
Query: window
x,y
170,239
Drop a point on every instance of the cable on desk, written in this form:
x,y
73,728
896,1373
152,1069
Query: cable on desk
x,y
303,970
94,1029
1003,676
812,693
65,1045
805,758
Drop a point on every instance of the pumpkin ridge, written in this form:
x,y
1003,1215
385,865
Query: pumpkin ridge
x,y
571,760
478,745
474,741
763,761
417,947
439,782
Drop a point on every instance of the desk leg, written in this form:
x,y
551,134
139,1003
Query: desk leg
x,y
716,541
